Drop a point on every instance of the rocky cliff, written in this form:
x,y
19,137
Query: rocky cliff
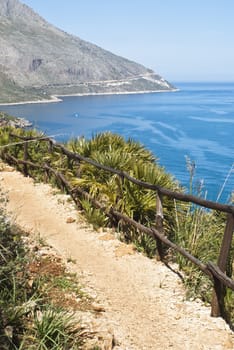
x,y
38,59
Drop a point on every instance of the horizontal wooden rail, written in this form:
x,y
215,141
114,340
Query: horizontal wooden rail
x,y
156,234
169,193
30,138
216,272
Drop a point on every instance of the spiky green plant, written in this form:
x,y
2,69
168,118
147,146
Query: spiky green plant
x,y
114,151
94,216
13,285
27,320
54,330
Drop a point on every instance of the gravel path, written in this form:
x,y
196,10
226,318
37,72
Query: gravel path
x,y
144,301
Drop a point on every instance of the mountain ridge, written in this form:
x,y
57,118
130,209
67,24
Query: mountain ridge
x,y
38,60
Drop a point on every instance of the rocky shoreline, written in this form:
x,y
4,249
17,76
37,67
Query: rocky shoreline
x,y
7,120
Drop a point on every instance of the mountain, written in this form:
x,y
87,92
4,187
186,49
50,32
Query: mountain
x,y
38,60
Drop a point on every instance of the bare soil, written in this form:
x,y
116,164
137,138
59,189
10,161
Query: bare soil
x,y
144,301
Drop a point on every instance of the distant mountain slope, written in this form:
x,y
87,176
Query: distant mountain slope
x,y
37,59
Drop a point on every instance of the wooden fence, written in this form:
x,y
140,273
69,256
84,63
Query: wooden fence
x,y
217,273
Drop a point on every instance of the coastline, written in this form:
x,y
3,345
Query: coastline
x,y
140,92
58,98
53,99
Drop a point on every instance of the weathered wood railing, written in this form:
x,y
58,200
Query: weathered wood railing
x,y
215,273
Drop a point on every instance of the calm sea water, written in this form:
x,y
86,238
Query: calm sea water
x,y
197,121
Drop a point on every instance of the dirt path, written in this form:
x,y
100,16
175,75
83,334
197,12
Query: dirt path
x,y
144,301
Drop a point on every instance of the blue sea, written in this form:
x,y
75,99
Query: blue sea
x,y
195,122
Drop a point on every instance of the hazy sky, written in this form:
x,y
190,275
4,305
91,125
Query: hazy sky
x,y
182,40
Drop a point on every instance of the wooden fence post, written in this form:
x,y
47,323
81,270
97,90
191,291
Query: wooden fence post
x,y
217,305
159,224
47,173
25,167
120,194
50,148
